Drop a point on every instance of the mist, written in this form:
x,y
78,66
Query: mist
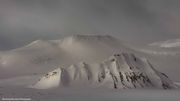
x,y
135,21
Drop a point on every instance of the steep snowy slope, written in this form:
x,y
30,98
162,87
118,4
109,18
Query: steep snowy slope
x,y
165,59
52,79
120,71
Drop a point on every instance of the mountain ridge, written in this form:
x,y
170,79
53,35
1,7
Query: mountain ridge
x,y
120,71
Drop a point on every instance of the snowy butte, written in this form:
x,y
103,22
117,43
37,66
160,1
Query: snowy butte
x,y
83,60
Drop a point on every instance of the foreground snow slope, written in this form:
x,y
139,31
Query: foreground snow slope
x,y
76,94
120,71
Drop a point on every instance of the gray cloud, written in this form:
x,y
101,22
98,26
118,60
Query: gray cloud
x,y
141,21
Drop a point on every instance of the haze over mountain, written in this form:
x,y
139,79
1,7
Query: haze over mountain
x,y
136,21
82,58
87,64
89,50
64,52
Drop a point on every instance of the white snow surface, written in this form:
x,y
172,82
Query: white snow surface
x,y
76,94
50,80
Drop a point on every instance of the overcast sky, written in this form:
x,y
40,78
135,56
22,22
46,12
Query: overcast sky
x,y
140,21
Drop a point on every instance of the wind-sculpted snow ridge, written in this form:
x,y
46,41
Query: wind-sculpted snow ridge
x,y
120,71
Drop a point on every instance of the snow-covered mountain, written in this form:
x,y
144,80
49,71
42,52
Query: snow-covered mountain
x,y
48,54
120,71
91,60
